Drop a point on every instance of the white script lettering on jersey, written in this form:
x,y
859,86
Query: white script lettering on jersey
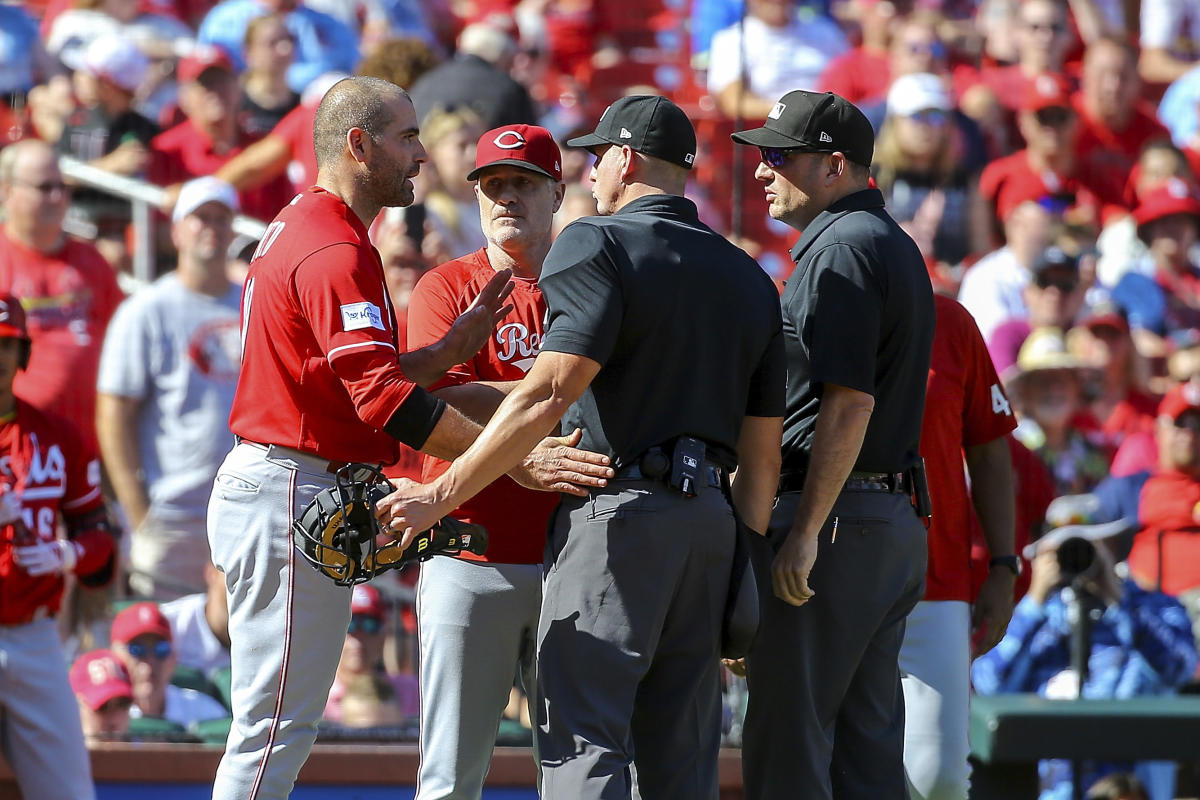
x,y
516,340
47,475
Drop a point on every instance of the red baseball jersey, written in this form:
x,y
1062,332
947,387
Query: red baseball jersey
x,y
320,370
45,461
964,405
515,517
68,297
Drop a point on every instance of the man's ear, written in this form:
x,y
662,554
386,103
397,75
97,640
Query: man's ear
x,y
629,163
357,144
836,169
560,191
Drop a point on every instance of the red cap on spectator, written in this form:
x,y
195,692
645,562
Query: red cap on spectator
x,y
526,146
1047,91
139,619
1173,197
1184,397
12,318
366,600
99,677
200,60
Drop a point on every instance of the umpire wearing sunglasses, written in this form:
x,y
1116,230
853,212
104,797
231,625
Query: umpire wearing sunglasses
x,y
826,710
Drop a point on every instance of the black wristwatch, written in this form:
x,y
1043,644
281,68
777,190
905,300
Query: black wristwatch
x,y
1011,562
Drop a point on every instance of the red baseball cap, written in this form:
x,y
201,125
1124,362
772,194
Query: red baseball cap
x,y
1184,397
1046,91
12,318
366,600
138,619
99,677
525,146
202,59
1172,198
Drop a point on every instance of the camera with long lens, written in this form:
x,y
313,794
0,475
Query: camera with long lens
x,y
1076,558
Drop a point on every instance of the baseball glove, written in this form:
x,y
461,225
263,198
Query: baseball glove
x,y
337,532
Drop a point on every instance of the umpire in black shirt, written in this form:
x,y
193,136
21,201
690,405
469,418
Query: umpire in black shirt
x,y
664,345
826,711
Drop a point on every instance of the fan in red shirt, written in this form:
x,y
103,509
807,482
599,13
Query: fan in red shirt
x,y
1042,38
68,289
864,73
1166,552
478,620
1114,123
209,96
1047,168
965,410
47,472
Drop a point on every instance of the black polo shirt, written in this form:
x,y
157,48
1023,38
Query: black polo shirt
x,y
858,312
686,328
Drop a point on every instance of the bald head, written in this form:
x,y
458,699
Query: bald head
x,y
364,103
26,153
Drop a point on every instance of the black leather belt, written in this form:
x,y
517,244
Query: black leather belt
x,y
633,472
857,482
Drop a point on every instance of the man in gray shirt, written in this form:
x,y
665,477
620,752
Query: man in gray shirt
x,y
167,376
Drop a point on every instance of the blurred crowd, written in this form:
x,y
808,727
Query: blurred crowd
x,y
1043,155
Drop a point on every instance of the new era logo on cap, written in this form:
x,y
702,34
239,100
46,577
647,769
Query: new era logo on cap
x,y
825,137
625,134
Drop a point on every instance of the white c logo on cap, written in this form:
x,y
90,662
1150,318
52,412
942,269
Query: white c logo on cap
x,y
509,140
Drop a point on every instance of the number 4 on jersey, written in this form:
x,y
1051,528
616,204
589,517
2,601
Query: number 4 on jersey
x,y
1000,402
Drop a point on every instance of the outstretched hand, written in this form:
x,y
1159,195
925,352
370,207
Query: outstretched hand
x,y
473,327
557,465
412,508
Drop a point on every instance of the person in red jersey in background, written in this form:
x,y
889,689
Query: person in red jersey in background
x,y
67,289
48,473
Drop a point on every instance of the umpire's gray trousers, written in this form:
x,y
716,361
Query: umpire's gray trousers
x,y
627,659
826,711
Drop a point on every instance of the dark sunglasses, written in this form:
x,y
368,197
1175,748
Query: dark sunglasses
x,y
930,116
776,157
115,704
365,623
1054,116
161,650
1064,283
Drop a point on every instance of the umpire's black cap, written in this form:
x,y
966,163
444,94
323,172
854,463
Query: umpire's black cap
x,y
648,124
816,122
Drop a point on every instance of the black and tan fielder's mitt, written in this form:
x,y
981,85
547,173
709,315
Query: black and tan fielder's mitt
x,y
338,534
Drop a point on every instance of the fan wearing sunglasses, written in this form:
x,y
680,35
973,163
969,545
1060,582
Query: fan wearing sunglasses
x,y
142,641
362,657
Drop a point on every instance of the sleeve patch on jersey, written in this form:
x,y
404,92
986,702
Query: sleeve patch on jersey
x,y
93,472
356,316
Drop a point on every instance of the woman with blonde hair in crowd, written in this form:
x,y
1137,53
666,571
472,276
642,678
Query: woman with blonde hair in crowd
x,y
450,135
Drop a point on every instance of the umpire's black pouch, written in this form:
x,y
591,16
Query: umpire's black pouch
x,y
920,489
686,462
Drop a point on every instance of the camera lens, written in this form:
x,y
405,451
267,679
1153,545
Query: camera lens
x,y
1076,556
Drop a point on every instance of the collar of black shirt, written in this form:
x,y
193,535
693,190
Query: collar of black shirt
x,y
863,200
664,205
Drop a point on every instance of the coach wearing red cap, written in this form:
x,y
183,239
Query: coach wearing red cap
x,y
477,615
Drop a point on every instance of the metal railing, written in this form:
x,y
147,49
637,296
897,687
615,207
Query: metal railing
x,y
145,199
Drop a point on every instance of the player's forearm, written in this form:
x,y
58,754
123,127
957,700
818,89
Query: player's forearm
x,y
478,400
757,477
837,441
992,493
116,421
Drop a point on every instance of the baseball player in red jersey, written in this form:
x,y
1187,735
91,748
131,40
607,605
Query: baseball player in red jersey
x,y
477,616
323,383
46,471
966,411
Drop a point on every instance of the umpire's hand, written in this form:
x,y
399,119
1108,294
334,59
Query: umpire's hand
x,y
557,465
789,571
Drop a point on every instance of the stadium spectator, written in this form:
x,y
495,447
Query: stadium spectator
x,y
141,640
478,78
369,701
1166,551
1142,644
362,656
775,49
993,288
209,137
1047,393
577,202
156,35
1118,244
1170,39
1053,299
200,624
1114,122
1167,299
104,693
863,72
167,376
107,132
1118,405
400,60
1047,168
323,44
266,96
576,35
70,291
919,168
449,199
